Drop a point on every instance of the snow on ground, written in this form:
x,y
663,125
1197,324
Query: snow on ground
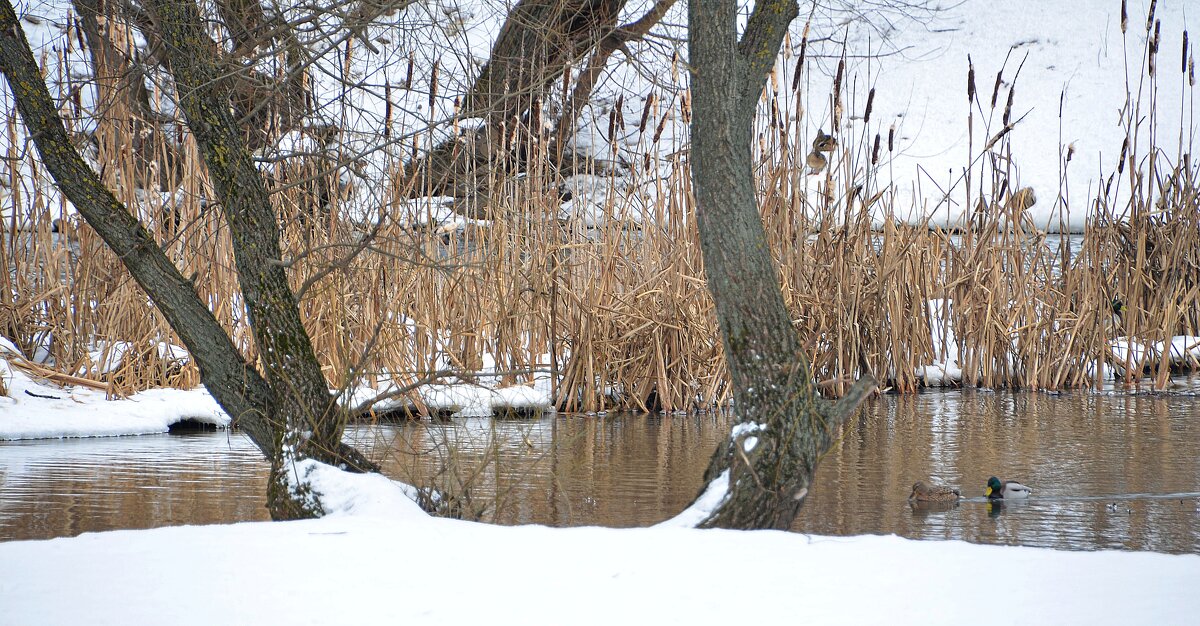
x,y
38,409
35,409
386,562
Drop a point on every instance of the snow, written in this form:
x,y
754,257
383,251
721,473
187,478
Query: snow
x,y
377,559
40,409
53,411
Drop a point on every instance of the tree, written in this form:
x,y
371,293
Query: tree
x,y
286,410
539,44
771,461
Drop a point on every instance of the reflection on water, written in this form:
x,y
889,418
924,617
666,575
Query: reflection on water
x,y
1091,459
1108,471
64,487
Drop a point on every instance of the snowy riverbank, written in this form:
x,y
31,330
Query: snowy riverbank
x,y
380,559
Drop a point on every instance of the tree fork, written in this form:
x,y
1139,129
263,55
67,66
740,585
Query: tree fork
x,y
772,383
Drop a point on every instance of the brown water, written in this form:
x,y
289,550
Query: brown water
x,y
1108,471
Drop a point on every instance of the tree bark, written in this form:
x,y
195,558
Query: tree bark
x,y
772,384
289,414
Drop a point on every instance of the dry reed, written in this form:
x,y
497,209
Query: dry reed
x,y
619,313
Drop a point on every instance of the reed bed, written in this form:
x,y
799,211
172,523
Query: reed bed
x,y
617,313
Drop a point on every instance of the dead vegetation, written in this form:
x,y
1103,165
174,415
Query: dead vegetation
x,y
616,309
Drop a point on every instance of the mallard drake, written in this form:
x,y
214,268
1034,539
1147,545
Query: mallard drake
x,y
933,493
1009,489
823,142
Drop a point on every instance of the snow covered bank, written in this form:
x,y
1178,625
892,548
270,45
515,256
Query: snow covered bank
x,y
35,409
39,409
387,562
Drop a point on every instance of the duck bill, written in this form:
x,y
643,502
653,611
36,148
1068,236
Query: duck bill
x,y
987,493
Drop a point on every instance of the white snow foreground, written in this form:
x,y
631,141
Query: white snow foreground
x,y
377,558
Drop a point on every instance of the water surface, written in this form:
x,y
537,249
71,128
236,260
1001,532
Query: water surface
x,y
1109,470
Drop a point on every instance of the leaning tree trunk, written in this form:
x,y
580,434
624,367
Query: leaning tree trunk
x,y
788,426
539,41
289,414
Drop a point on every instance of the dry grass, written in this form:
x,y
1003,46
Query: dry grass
x,y
619,314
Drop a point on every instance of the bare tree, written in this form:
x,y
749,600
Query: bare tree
x,y
286,410
771,461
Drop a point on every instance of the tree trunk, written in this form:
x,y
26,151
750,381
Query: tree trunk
x,y
772,385
539,42
288,415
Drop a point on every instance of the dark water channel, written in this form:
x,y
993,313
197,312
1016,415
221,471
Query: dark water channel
x,y
1109,470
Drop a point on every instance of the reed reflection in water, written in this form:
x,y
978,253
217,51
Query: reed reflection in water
x,y
1109,470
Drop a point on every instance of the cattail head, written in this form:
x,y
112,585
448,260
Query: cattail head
x,y
891,138
1150,15
996,87
1008,105
645,113
433,82
875,151
970,80
870,105
1183,62
800,60
1124,17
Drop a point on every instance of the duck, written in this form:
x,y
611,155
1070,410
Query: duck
x,y
1009,489
933,493
823,142
816,162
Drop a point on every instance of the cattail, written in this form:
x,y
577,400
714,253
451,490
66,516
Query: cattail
x,y
409,75
620,109
891,137
1183,62
1121,159
1008,106
970,80
1070,151
1153,48
996,87
433,81
658,130
870,105
612,126
1150,16
645,113
1191,71
837,79
685,108
79,38
387,109
1124,17
875,151
800,60
837,93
